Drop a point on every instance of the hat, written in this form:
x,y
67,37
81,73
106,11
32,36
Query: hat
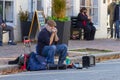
x,y
51,23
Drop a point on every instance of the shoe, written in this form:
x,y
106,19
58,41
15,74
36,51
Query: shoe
x,y
1,44
77,66
12,43
62,66
52,66
14,61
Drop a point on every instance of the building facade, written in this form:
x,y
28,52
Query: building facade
x,y
97,9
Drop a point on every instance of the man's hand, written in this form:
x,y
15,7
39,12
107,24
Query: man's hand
x,y
54,36
89,18
54,30
3,25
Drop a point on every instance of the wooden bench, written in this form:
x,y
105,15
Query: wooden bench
x,y
76,33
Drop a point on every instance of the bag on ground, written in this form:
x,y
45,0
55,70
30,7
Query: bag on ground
x,y
36,62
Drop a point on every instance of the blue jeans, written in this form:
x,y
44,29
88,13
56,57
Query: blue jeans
x,y
117,28
50,51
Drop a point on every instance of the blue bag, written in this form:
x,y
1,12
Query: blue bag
x,y
36,62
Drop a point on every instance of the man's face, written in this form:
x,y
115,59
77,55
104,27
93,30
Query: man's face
x,y
85,11
51,27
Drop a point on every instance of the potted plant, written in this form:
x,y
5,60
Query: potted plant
x,y
63,22
25,24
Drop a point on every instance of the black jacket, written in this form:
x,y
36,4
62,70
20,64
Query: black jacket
x,y
43,40
116,13
80,19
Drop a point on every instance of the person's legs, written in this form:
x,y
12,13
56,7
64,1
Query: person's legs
x,y
49,52
118,31
0,36
117,28
11,33
92,34
111,29
87,31
62,52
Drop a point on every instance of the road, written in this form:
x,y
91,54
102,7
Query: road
x,y
109,70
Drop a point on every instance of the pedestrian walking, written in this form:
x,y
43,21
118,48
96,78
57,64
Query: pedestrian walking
x,y
111,9
117,20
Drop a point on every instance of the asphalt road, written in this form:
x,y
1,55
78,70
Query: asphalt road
x,y
109,70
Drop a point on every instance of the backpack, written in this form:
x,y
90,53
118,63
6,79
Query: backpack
x,y
22,62
36,62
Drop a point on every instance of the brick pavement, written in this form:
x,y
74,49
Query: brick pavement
x,y
11,52
103,44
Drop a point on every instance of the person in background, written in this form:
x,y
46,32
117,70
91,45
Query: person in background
x,y
111,9
84,22
5,27
46,46
117,20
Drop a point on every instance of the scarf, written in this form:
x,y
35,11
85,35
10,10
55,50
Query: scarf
x,y
49,29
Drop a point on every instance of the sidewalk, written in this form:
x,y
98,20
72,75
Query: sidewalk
x,y
11,52
104,44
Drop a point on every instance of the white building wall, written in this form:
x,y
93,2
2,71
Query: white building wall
x,y
25,4
102,26
76,7
44,4
16,22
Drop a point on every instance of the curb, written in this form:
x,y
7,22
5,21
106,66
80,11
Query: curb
x,y
98,57
7,69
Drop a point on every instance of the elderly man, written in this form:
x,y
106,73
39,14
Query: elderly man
x,y
4,27
46,44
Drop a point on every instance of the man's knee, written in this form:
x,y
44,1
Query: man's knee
x,y
53,47
64,46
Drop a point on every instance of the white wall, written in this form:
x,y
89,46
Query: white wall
x,y
25,4
76,7
44,4
102,27
16,24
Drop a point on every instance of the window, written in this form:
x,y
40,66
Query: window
x,y
6,10
9,11
92,9
39,5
